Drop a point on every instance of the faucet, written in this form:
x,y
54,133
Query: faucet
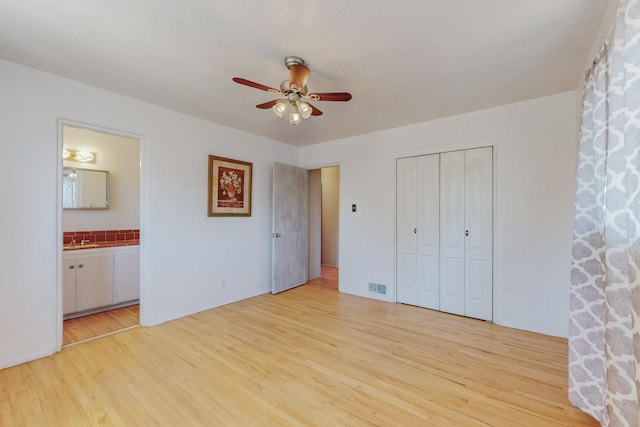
x,y
82,242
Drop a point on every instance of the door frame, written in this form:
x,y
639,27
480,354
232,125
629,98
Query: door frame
x,y
445,148
143,147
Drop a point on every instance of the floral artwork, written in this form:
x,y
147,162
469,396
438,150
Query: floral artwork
x,y
229,187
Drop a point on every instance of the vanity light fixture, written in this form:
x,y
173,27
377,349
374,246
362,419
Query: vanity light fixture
x,y
85,157
78,156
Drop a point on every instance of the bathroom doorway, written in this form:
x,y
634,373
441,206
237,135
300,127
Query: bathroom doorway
x,y
100,230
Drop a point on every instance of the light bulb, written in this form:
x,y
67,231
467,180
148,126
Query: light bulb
x,y
84,156
279,108
305,110
294,117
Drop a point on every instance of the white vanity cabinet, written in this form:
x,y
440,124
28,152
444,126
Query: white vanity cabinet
x,y
87,279
127,274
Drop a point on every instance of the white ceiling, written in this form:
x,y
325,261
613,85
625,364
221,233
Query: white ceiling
x,y
403,61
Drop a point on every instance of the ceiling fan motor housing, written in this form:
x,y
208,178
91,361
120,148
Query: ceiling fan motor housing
x,y
298,73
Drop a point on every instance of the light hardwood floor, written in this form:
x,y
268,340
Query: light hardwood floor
x,y
99,324
309,356
328,277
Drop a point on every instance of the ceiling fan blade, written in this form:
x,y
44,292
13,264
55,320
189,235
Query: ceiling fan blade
x,y
255,85
267,105
315,111
333,96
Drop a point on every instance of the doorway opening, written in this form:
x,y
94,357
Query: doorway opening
x,y
100,232
324,209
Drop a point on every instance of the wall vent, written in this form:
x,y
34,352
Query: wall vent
x,y
378,288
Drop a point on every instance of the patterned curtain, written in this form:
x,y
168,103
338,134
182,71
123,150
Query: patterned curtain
x,y
604,334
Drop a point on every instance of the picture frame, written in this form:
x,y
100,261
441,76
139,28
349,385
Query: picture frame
x,y
230,188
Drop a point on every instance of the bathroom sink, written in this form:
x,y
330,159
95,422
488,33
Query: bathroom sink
x,y
76,246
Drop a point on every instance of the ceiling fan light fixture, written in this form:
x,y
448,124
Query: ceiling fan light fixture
x,y
280,108
305,110
294,116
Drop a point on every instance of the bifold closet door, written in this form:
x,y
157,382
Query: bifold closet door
x,y
418,230
466,233
478,270
452,232
406,214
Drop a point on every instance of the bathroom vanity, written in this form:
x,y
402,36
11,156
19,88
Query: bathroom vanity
x,y
100,278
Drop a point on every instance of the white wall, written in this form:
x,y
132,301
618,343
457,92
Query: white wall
x,y
185,254
330,215
121,157
315,223
535,171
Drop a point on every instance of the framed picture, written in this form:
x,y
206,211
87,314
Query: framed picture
x,y
229,187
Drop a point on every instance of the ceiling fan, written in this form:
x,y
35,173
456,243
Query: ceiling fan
x,y
295,92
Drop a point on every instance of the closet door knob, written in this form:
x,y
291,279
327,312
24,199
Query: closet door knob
x,y
466,233
415,230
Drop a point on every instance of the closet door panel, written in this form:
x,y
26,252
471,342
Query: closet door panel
x,y
479,224
452,232
406,210
428,231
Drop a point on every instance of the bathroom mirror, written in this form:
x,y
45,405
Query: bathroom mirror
x,y
85,188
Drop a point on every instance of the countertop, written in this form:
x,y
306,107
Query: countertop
x,y
95,245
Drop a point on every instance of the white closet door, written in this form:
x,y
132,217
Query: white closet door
x,y
444,232
479,224
406,279
428,231
452,233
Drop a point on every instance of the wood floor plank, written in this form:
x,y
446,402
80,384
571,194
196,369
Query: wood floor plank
x,y
308,356
95,325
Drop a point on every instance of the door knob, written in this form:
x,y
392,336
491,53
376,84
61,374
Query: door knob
x,y
466,232
415,230
276,235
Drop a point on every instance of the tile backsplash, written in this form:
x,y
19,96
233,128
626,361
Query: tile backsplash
x,y
96,236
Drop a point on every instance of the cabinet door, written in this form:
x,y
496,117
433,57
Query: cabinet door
x,y
68,285
94,281
127,275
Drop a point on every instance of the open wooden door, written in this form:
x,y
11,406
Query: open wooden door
x,y
290,233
